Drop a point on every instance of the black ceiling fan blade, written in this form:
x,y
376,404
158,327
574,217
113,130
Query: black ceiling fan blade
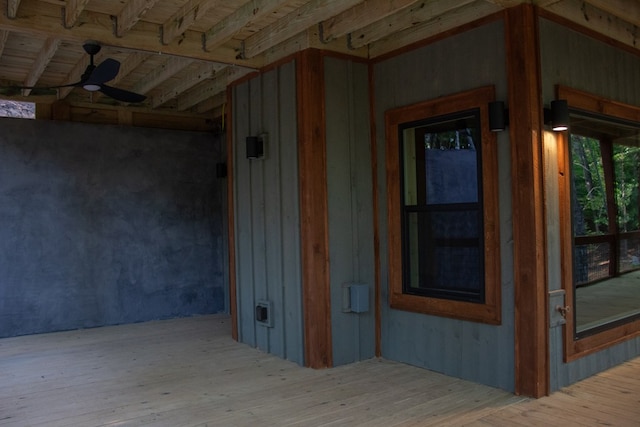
x,y
106,71
121,94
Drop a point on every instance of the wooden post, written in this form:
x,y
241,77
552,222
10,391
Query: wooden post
x,y
314,220
529,248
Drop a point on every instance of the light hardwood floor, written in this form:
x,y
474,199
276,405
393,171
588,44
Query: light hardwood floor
x,y
189,372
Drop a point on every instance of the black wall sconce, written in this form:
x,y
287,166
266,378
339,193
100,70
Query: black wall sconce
x,y
498,116
255,147
558,115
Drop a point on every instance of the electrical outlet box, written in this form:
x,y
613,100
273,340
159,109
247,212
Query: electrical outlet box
x,y
264,313
359,296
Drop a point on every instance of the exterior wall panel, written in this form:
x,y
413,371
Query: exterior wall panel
x,y
267,220
350,205
477,352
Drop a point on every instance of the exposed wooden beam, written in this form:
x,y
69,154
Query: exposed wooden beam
x,y
131,13
212,104
586,15
44,57
361,15
446,22
629,10
408,17
294,23
204,72
43,20
72,11
247,13
189,13
162,73
12,8
4,35
216,86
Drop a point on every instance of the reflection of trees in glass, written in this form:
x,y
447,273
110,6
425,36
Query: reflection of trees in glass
x,y
461,139
625,160
590,207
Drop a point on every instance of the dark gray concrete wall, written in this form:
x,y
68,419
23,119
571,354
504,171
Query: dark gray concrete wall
x,y
104,225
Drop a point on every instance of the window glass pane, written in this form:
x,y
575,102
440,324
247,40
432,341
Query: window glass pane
x,y
589,193
442,223
605,164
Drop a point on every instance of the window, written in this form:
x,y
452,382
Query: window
x,y
17,109
601,237
442,208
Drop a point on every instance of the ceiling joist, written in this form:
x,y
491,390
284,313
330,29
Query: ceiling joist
x,y
72,11
12,8
189,13
131,13
204,72
245,15
294,23
44,57
365,13
4,35
162,73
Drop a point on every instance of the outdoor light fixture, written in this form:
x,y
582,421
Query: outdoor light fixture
x,y
498,116
255,147
558,115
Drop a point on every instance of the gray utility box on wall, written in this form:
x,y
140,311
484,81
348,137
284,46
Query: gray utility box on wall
x,y
355,298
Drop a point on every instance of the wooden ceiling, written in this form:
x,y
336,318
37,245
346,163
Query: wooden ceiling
x,y
182,54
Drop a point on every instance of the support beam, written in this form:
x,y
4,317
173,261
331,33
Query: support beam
x,y
314,216
189,13
160,74
216,86
406,18
247,13
204,72
449,21
72,11
43,21
44,57
12,8
295,22
529,234
131,14
361,15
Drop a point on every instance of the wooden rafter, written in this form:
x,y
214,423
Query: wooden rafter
x,y
249,12
12,8
294,23
365,13
189,13
406,18
216,86
204,72
44,57
162,73
131,14
624,9
99,27
72,11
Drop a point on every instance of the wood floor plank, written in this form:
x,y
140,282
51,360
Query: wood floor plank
x,y
188,372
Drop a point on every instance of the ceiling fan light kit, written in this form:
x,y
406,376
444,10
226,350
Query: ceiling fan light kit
x,y
94,78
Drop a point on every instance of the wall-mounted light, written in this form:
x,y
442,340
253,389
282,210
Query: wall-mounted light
x,y
558,115
255,147
498,116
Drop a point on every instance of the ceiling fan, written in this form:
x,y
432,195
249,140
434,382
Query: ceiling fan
x,y
94,77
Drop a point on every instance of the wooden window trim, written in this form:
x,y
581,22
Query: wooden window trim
x,y
490,311
577,348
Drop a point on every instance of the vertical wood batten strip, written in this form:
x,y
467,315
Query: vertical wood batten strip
x,y
525,109
230,212
314,217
